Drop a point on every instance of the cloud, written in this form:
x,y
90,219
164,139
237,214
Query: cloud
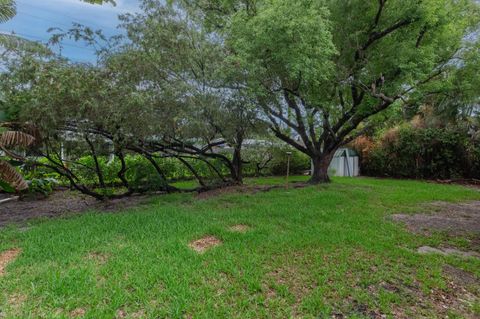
x,y
78,11
35,17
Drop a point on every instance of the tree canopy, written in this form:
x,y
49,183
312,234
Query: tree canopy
x,y
324,68
190,76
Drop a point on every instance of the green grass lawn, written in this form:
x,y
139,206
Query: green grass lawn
x,y
313,252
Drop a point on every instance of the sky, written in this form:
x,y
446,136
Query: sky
x,y
35,17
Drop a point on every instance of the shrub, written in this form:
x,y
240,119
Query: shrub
x,y
44,186
410,152
474,159
299,162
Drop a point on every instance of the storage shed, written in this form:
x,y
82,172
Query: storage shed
x,y
345,162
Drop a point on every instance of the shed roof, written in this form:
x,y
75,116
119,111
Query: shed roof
x,y
341,152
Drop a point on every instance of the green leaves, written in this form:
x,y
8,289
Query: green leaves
x,y
6,187
285,40
7,10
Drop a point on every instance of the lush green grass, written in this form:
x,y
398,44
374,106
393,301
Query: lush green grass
x,y
310,253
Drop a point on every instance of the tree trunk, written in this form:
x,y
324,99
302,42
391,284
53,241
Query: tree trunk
x,y
193,171
98,169
320,168
237,164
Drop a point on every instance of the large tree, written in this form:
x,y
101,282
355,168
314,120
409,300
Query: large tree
x,y
321,70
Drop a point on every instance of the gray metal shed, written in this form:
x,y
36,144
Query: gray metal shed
x,y
345,162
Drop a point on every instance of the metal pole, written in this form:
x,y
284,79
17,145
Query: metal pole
x,y
288,168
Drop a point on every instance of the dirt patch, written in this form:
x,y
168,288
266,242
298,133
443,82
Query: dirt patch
x,y
77,313
240,228
461,277
462,288
98,257
456,298
16,301
7,257
447,251
61,203
455,219
121,314
471,183
203,244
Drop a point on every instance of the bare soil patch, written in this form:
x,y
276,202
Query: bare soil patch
x,y
454,298
452,218
240,228
203,244
461,277
447,251
460,293
7,257
471,183
98,257
58,204
77,313
121,314
462,288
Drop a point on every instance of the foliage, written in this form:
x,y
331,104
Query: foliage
x,y
412,152
140,172
10,179
191,77
453,98
299,162
43,186
325,69
260,161
7,10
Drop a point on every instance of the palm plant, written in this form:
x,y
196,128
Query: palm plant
x,y
7,10
11,41
10,179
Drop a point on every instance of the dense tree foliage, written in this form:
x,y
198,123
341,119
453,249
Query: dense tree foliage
x,y
324,68
191,81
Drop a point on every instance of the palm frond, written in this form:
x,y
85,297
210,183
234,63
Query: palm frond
x,y
15,138
10,175
7,10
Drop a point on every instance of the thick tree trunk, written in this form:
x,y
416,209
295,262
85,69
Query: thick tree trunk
x,y
320,166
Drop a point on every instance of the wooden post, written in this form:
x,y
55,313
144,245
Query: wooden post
x,y
288,168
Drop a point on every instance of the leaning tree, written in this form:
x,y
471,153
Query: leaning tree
x,y
215,108
322,70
